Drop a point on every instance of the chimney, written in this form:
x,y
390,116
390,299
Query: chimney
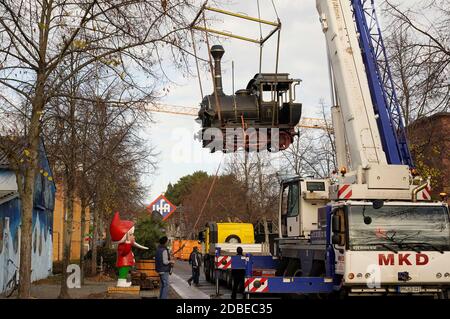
x,y
217,52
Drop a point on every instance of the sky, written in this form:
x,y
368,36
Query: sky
x,y
302,54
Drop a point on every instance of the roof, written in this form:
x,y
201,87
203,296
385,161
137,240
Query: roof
x,y
7,196
8,186
430,118
4,163
13,144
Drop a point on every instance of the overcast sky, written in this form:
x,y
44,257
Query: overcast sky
x,y
302,54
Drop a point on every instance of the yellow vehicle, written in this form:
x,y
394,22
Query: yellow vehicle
x,y
227,237
233,233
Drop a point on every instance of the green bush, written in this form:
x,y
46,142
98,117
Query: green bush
x,y
109,256
147,232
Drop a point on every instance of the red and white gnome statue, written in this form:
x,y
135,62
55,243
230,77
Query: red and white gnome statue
x,y
122,233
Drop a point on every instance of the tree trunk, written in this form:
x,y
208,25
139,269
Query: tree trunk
x,y
107,221
82,235
70,197
67,239
26,236
266,230
94,241
27,193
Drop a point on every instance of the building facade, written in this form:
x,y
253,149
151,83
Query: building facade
x,y
430,144
10,221
78,237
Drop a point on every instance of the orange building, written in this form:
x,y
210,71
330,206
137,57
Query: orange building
x,y
58,232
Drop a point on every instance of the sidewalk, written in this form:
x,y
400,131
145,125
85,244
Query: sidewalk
x,y
93,288
185,291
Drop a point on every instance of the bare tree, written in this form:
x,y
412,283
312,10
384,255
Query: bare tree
x,y
38,37
259,183
419,54
313,152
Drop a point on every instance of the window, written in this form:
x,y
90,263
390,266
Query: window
x,y
315,186
284,201
401,227
293,197
267,96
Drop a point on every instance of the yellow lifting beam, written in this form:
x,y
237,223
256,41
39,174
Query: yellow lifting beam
x,y
242,16
261,41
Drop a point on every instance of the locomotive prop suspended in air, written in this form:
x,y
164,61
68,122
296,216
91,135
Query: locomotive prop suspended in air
x,y
262,116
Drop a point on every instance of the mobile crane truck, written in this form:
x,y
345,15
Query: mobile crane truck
x,y
371,229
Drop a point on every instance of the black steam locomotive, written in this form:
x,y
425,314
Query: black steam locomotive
x,y
262,116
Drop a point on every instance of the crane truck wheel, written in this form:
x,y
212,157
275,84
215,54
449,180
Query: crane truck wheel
x,y
211,272
233,239
282,267
318,268
444,294
229,280
206,271
294,268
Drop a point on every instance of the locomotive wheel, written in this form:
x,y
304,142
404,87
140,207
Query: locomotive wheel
x,y
285,140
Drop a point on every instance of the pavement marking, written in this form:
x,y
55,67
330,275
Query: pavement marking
x,y
185,291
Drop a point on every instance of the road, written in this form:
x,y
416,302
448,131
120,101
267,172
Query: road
x,y
205,290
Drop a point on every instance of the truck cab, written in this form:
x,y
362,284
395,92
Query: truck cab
x,y
391,247
364,247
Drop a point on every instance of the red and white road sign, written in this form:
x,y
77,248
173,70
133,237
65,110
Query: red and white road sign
x,y
223,262
256,284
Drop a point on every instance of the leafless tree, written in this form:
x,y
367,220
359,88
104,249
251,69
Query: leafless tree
x,y
419,54
96,170
313,152
38,37
258,176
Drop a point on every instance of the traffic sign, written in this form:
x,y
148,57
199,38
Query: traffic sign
x,y
163,206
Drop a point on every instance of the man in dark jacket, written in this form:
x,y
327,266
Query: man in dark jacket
x,y
195,260
163,266
238,277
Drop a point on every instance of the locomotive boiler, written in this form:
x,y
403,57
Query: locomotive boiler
x,y
261,116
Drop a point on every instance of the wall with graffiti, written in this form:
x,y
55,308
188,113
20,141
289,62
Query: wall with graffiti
x,y
10,221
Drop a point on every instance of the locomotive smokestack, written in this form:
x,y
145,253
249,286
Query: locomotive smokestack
x,y
217,53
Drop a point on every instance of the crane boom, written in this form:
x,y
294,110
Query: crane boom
x,y
370,139
305,122
384,97
352,87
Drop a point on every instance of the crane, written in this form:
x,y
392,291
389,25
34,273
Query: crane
x,y
305,122
372,229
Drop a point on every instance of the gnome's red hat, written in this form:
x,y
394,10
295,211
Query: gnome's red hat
x,y
119,228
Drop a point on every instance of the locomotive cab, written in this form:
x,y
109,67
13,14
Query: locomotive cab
x,y
262,116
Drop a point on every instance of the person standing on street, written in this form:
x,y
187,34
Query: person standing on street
x,y
195,260
238,277
163,266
